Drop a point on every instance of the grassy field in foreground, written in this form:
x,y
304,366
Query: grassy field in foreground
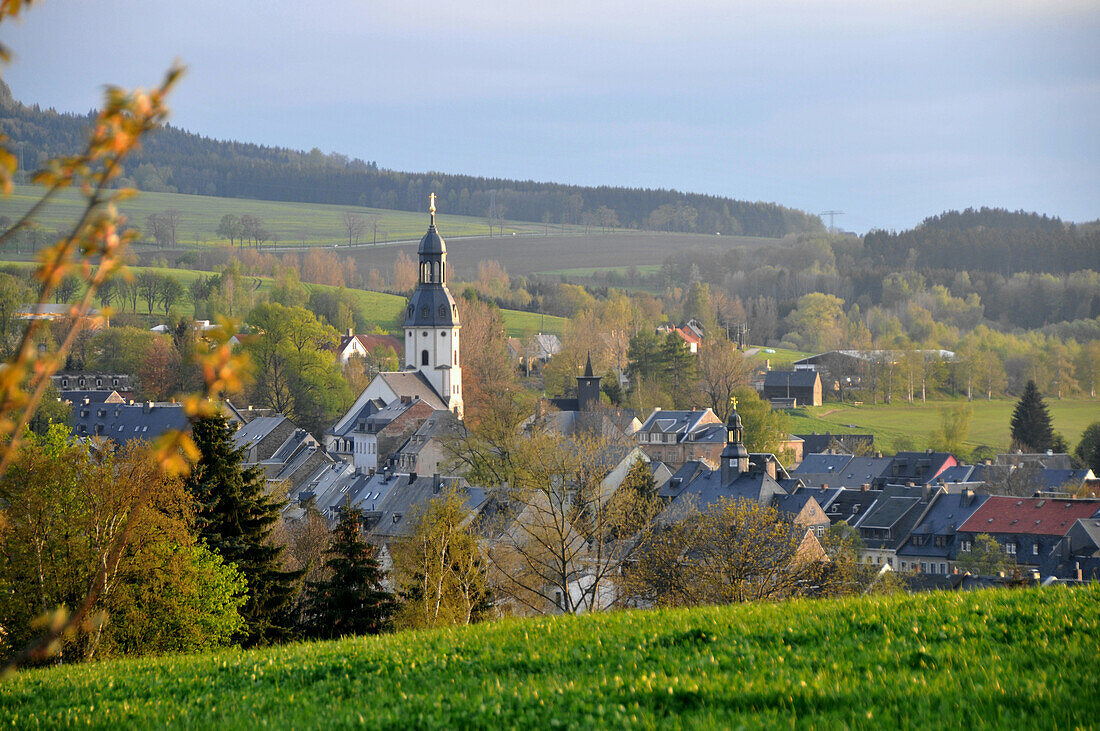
x,y
382,309
295,224
1008,658
916,421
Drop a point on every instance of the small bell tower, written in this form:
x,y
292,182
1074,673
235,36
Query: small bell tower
x,y
735,458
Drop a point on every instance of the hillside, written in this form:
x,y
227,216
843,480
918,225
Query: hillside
x,y
174,160
989,240
1011,659
378,308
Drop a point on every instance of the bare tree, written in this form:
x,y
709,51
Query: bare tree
x,y
722,368
354,224
565,533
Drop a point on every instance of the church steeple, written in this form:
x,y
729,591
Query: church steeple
x,y
431,321
735,458
588,388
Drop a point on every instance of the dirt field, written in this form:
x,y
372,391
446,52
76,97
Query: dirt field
x,y
527,254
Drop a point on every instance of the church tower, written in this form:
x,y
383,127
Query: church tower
x,y
431,322
735,458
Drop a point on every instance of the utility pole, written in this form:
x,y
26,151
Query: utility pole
x,y
832,215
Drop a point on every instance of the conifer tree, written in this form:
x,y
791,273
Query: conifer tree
x,y
235,518
351,601
1031,429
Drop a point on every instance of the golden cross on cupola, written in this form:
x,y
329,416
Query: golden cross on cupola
x,y
431,208
733,402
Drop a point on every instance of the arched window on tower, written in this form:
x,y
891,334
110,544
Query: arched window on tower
x,y
423,357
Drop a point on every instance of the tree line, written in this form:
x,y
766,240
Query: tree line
x,y
173,160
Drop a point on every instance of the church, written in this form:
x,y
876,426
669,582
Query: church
x,y
398,402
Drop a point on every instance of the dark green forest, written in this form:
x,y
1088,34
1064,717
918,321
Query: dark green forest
x,y
174,160
989,240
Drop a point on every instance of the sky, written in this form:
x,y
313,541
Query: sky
x,y
887,110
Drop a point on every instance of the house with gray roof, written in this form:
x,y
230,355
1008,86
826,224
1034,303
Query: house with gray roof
x,y
886,525
932,544
123,423
800,387
677,437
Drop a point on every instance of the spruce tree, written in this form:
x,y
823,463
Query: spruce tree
x,y
1031,429
351,601
235,517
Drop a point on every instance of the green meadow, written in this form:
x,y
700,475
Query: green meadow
x,y
900,420
1012,659
294,224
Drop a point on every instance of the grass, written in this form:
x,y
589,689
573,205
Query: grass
x,y
999,658
644,270
387,311
901,420
295,224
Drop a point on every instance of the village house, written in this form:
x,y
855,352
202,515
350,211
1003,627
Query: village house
x,y
788,389
676,437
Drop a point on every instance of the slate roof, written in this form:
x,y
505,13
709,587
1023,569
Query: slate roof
x,y
798,379
1054,479
255,430
948,511
1029,516
918,467
395,513
702,487
849,505
842,470
413,383
122,423
93,397
898,509
676,422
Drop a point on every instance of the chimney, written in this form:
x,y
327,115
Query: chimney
x,y
147,407
412,477
1077,565
865,487
436,484
351,332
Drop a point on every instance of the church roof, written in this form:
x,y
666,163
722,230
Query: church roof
x,y
431,305
432,243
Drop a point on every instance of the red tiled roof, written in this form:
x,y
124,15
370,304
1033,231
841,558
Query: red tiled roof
x,y
1035,516
688,336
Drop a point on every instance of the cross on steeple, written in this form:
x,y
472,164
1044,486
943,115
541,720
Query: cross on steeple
x,y
431,208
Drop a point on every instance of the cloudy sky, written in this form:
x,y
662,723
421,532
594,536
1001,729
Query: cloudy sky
x,y
888,110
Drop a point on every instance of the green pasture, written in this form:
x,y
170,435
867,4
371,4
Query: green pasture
x,y
917,421
1012,659
781,358
294,224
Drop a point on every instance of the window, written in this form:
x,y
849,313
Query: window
x,y
1035,548
965,546
443,310
423,357
1010,549
425,311
924,567
943,569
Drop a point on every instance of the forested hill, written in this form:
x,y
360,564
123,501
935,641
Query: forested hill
x,y
174,160
991,240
